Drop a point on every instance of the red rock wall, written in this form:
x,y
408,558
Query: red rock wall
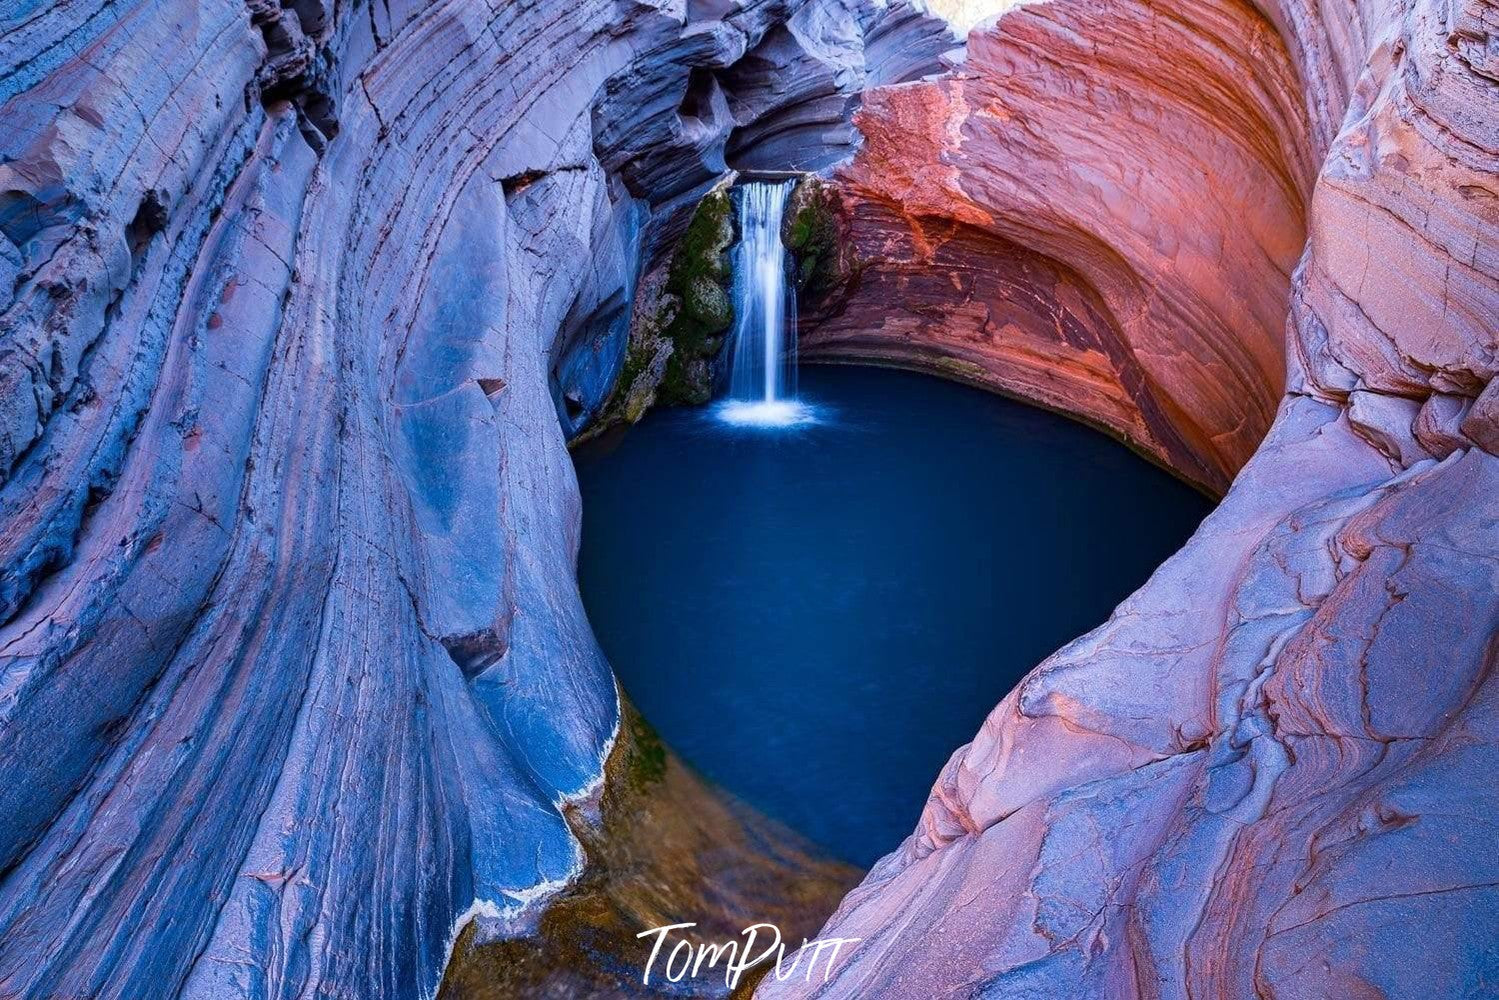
x,y
953,297
1166,170
1270,772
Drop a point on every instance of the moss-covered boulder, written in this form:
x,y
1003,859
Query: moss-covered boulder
x,y
708,304
813,231
700,277
682,311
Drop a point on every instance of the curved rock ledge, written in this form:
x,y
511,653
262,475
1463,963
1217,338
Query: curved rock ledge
x,y
1099,210
1267,774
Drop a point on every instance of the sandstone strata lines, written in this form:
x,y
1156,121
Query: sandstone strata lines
x,y
295,677
1261,776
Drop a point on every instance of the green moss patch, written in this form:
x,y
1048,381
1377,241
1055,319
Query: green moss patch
x,y
699,278
811,233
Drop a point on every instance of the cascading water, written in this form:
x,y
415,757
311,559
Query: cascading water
x,y
760,372
762,378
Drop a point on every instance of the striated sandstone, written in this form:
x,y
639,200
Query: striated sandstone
x,y
294,679
1094,181
294,676
1268,773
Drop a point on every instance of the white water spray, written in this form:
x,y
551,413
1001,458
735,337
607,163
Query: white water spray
x,y
762,379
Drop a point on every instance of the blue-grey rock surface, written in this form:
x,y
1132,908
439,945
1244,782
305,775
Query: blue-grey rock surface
x,y
294,677
300,301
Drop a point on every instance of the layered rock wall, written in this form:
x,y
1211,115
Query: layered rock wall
x,y
772,87
294,677
1266,774
293,674
1095,182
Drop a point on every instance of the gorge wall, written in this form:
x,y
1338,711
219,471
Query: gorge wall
x,y
300,300
1023,224
1266,774
294,677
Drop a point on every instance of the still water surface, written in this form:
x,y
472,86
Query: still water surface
x,y
817,616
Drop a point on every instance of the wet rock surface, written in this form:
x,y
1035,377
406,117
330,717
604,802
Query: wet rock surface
x,y
681,313
664,847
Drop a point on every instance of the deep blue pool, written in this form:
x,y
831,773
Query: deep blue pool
x,y
817,617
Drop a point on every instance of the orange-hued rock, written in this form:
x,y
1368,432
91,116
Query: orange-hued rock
x,y
1270,772
1163,171
957,299
299,301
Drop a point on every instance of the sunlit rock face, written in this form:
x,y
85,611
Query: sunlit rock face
x,y
295,676
1104,186
963,15
1269,773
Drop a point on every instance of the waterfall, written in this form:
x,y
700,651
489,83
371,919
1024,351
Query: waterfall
x,y
762,376
760,373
